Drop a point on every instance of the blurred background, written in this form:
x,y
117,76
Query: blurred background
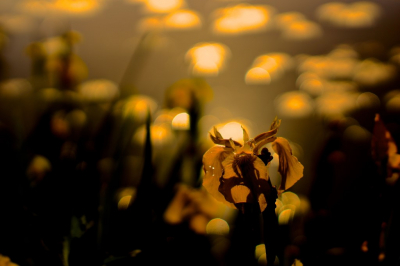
x,y
106,107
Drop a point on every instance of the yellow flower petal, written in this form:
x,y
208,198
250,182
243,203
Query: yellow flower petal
x,y
290,168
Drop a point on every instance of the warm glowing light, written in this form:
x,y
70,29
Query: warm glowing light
x,y
15,88
257,75
283,20
233,130
278,205
182,19
263,260
78,7
35,7
392,100
181,121
313,86
18,24
137,107
217,226
260,250
207,58
301,30
285,217
368,100
294,104
124,202
163,6
290,198
336,103
151,23
372,73
356,133
354,15
242,19
329,67
100,90
268,67
160,134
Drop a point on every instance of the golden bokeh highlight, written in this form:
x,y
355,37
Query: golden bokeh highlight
x,y
100,90
294,104
136,107
182,19
242,18
124,202
268,67
259,251
257,75
371,72
284,20
353,15
163,6
125,197
356,133
78,7
302,30
334,104
217,226
207,59
233,130
368,100
181,121
14,88
330,67
160,134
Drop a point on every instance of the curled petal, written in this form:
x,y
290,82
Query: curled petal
x,y
290,168
266,137
225,142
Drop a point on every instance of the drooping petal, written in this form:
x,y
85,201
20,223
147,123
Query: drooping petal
x,y
240,194
290,168
212,164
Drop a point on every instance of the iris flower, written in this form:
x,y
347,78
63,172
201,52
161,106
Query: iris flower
x,y
236,173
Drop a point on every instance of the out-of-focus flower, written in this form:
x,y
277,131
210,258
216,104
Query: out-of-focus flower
x,y
242,18
161,135
236,173
5,261
353,15
188,94
100,90
207,59
136,107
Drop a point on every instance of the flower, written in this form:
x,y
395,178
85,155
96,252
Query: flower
x,y
236,173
